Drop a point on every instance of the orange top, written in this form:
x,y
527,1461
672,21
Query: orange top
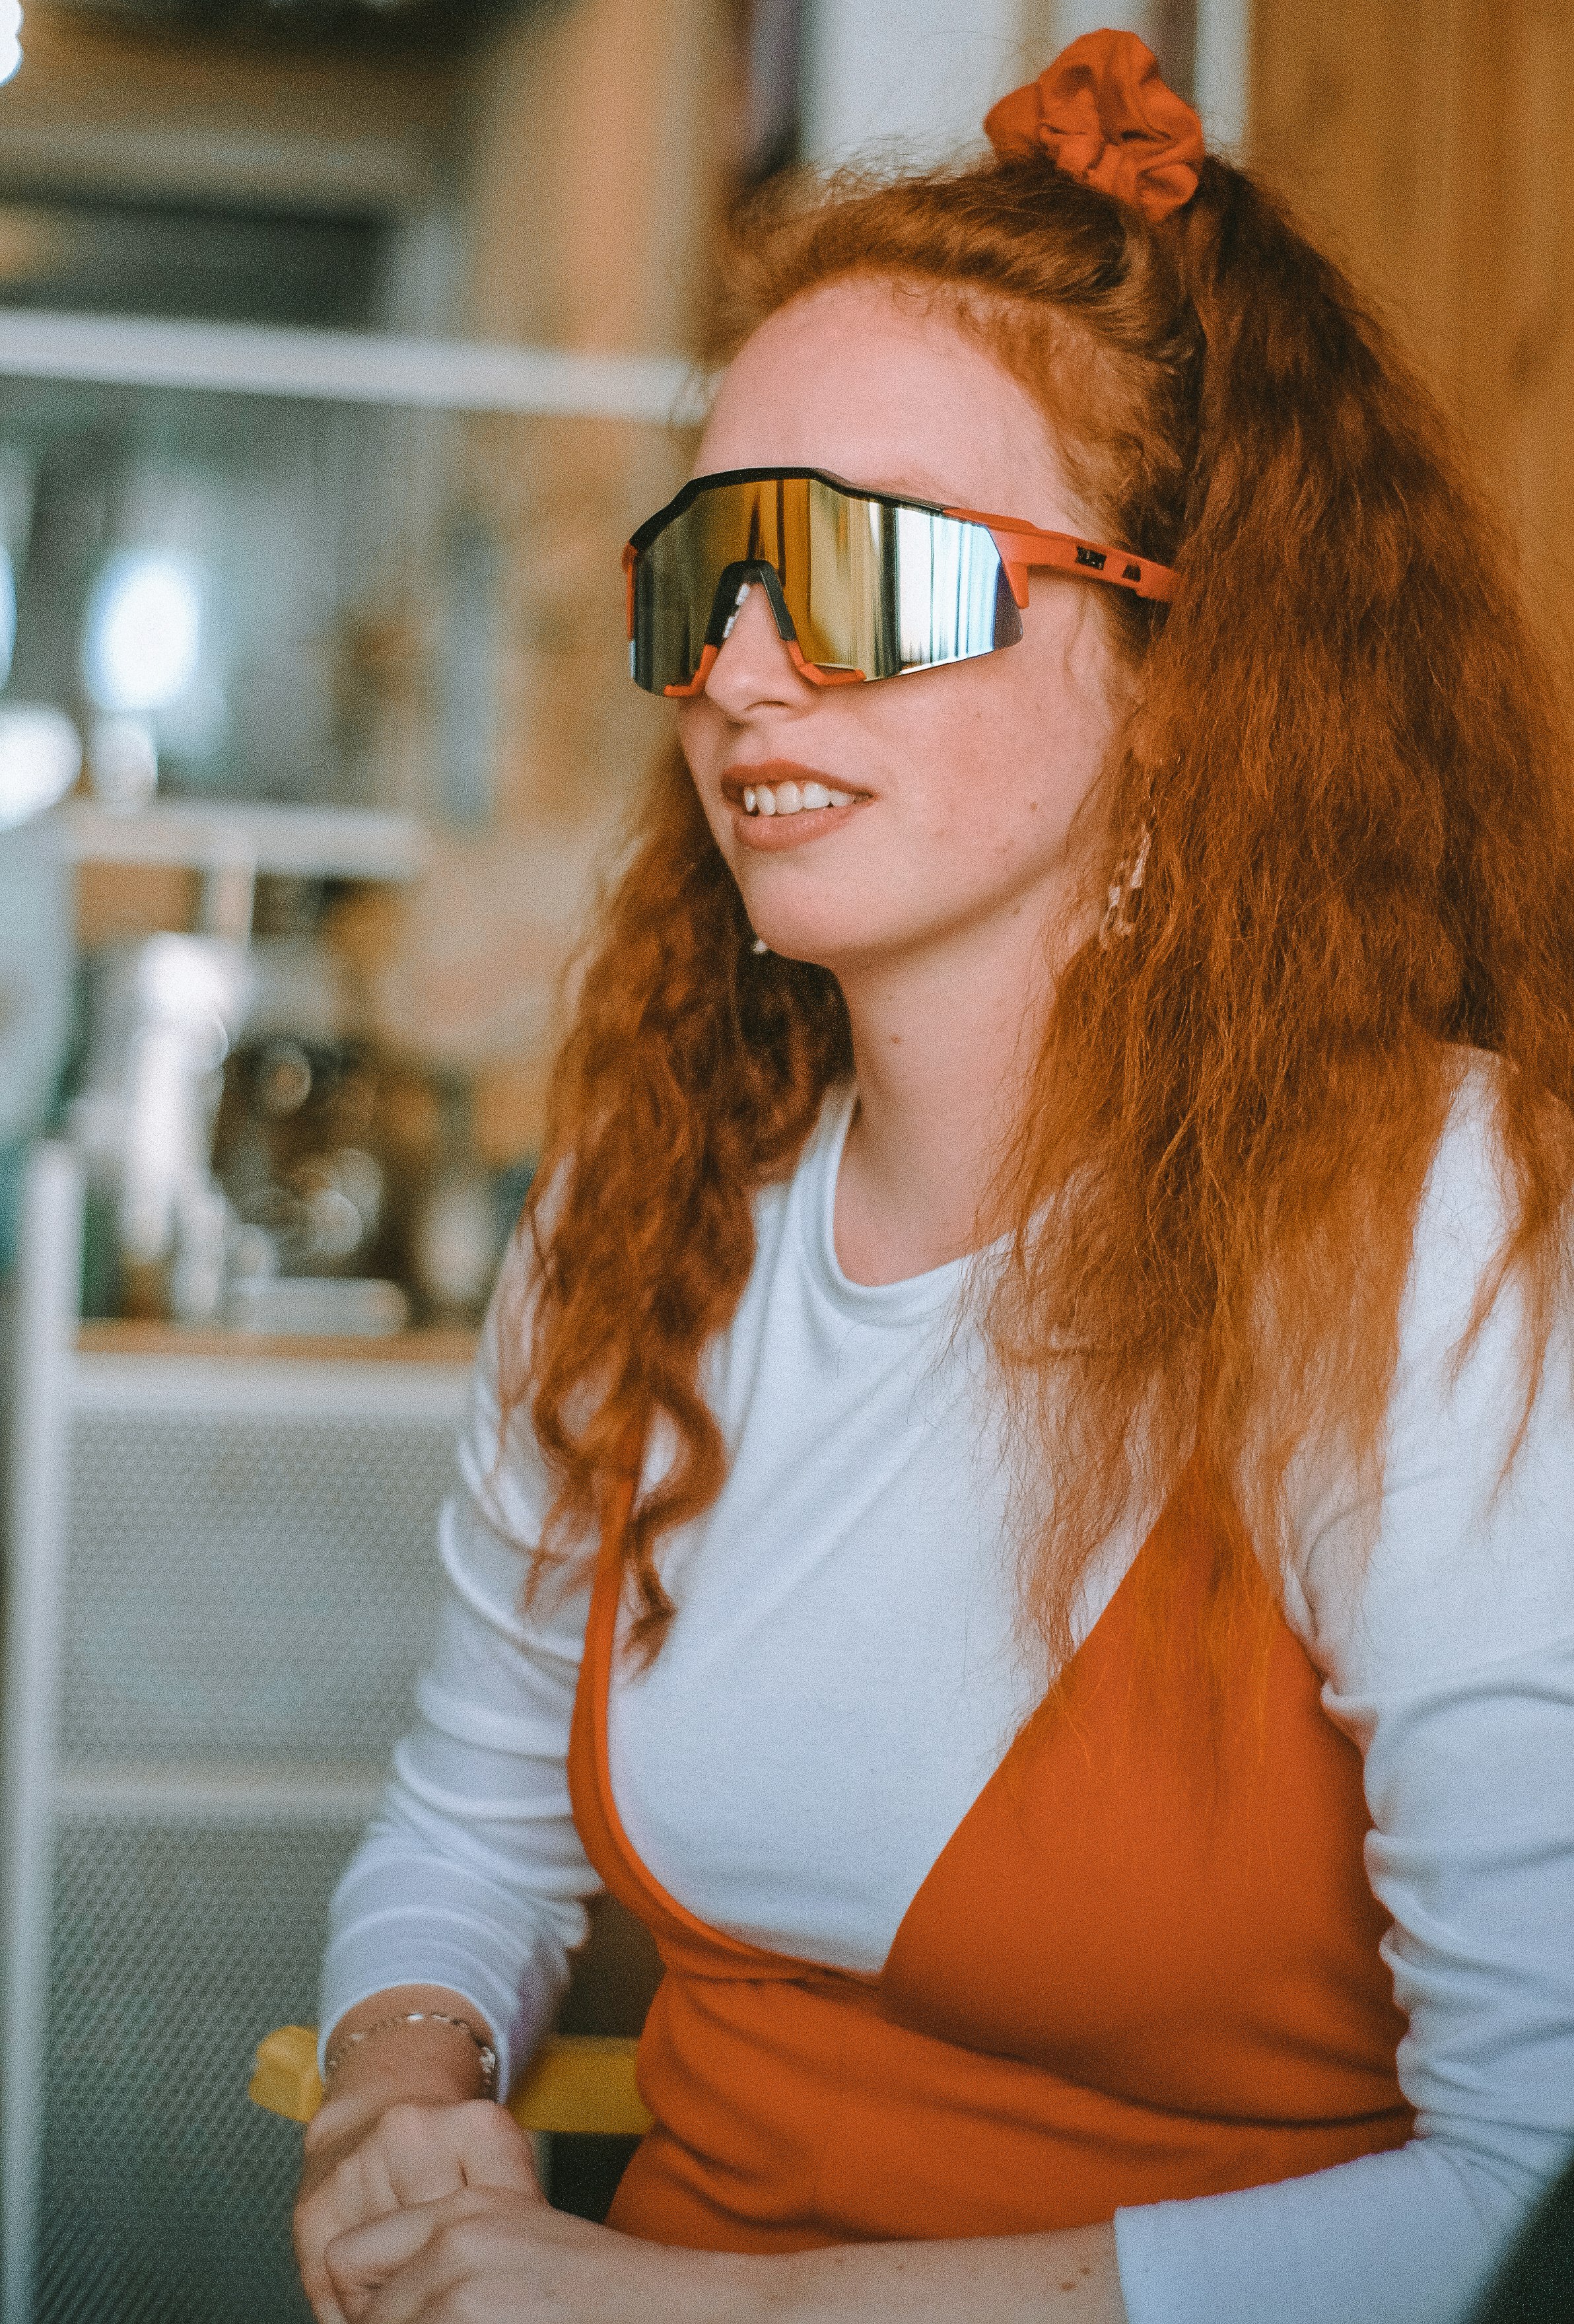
x,y
1143,1966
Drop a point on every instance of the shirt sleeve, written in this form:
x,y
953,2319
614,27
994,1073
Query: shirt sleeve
x,y
1445,1636
471,1875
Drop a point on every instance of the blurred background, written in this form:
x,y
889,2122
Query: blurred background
x,y
342,342
374,602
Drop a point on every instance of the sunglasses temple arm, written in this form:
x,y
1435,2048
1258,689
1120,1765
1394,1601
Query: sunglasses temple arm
x,y
1024,546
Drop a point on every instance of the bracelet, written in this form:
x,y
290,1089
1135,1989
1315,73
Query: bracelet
x,y
483,2049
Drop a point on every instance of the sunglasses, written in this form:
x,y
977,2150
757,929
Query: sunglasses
x,y
861,584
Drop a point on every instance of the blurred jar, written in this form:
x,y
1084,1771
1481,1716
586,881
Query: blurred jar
x,y
293,1149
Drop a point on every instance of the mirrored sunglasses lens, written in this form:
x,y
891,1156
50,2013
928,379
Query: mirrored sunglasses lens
x,y
883,588
952,596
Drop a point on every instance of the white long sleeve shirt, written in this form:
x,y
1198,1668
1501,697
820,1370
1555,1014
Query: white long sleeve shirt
x,y
846,1669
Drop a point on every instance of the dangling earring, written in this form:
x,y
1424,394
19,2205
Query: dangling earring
x,y
1120,912
759,945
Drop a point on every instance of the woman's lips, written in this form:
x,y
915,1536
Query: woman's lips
x,y
778,804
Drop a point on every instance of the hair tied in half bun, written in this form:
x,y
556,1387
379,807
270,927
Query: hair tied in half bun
x,y
1102,113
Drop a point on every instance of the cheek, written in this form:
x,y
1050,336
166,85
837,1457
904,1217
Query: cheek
x,y
979,773
698,738
697,727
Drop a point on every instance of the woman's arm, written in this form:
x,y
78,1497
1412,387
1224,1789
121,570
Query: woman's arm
x,y
472,1876
1070,2278
503,2254
1443,1621
467,1894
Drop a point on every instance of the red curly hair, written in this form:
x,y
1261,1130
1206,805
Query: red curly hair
x,y
1353,759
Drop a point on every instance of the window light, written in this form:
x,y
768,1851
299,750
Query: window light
x,y
143,637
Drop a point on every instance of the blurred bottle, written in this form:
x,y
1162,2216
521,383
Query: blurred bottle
x,y
163,1015
456,1249
455,1245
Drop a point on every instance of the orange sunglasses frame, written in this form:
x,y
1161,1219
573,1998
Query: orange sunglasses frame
x,y
1021,546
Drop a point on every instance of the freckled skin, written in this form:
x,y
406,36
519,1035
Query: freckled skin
x,y
977,770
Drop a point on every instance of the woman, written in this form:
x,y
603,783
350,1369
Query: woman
x,y
1049,1287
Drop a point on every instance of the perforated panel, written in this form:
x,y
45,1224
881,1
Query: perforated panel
x,y
167,2194
249,1584
248,1588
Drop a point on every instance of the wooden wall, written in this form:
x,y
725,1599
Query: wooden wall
x,y
1433,147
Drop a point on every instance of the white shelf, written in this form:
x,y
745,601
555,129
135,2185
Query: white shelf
x,y
350,367
312,843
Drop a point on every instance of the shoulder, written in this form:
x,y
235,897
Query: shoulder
x,y
1464,1556
1468,1356
1467,1206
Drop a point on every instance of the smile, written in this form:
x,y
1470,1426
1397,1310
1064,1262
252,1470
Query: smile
x,y
792,798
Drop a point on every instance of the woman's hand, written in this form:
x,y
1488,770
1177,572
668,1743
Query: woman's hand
x,y
503,2256
495,2255
402,2124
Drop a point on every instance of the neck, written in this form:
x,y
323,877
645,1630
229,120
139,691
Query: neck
x,y
943,1040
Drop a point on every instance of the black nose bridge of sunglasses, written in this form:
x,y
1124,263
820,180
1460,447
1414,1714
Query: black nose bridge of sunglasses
x,y
732,588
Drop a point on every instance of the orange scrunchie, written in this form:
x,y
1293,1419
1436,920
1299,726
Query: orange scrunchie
x,y
1103,115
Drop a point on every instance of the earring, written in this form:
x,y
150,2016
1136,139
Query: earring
x,y
1125,890
759,945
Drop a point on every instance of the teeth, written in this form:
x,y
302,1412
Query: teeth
x,y
792,798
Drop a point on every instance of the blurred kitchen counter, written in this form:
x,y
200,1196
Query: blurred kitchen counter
x,y
438,1345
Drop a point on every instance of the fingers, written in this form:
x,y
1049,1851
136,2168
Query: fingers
x,y
362,2259
485,2255
399,2270
320,2203
410,2156
492,2151
318,2217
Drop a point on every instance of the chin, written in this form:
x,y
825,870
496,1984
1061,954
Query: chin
x,y
795,937
836,922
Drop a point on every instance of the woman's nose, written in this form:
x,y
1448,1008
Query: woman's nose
x,y
753,670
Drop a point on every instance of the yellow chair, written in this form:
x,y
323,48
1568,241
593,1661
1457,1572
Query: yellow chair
x,y
577,2082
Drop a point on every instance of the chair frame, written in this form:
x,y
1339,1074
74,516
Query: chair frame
x,y
576,2083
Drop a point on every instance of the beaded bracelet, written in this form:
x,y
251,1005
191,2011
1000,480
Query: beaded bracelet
x,y
483,2049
